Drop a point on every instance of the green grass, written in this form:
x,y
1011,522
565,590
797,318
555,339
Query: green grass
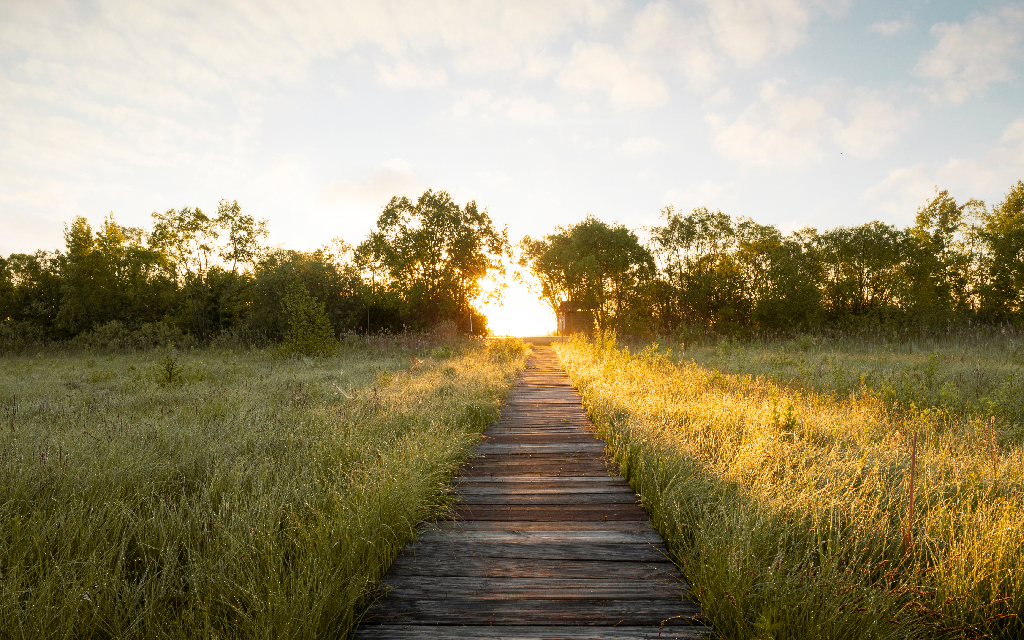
x,y
225,495
778,474
968,374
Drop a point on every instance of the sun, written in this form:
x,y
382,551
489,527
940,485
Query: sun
x,y
519,313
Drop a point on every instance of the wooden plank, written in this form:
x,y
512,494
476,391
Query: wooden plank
x,y
596,448
579,512
526,632
539,480
410,565
533,588
565,498
649,536
510,487
532,525
615,552
592,611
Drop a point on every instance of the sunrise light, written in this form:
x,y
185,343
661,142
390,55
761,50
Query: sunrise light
x,y
519,312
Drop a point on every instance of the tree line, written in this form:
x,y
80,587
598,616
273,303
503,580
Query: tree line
x,y
212,276
706,271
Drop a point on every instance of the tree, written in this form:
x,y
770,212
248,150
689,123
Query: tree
x,y
33,291
186,240
864,271
697,256
1000,231
427,258
595,264
939,259
781,275
242,248
326,274
109,275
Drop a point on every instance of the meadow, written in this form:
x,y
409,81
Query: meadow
x,y
823,487
226,494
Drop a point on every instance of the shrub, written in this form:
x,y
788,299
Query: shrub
x,y
309,330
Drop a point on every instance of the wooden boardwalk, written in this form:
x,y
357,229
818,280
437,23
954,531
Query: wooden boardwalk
x,y
546,543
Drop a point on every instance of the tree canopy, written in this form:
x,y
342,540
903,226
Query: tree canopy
x,y
427,258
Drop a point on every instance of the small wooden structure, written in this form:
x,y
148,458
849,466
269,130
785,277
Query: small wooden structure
x,y
575,317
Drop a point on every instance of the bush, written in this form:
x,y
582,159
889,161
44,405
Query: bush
x,y
309,330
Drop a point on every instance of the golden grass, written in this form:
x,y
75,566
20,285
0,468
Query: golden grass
x,y
240,495
786,506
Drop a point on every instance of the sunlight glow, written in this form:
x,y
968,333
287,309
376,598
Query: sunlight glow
x,y
520,313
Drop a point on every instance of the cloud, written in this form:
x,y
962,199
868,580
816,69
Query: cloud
x,y
749,30
969,57
998,168
471,100
530,110
785,129
779,129
395,177
890,28
641,146
660,32
987,176
901,192
705,194
598,67
873,125
406,74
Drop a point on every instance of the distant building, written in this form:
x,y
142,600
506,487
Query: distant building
x,y
575,317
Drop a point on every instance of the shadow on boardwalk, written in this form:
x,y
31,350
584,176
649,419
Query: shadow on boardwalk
x,y
547,541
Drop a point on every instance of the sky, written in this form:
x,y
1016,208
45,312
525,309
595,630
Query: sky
x,y
312,115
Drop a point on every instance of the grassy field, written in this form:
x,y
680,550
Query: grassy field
x,y
780,474
226,495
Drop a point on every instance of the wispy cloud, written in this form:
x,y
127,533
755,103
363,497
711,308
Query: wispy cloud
x,y
970,56
641,146
599,67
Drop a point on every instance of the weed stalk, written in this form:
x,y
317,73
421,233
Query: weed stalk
x,y
907,531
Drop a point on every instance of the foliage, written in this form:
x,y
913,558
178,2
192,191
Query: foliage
x,y
785,507
594,264
254,497
426,259
959,263
309,330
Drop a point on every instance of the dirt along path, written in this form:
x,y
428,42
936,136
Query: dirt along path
x,y
547,541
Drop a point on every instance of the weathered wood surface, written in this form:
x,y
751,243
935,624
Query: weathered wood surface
x,y
545,542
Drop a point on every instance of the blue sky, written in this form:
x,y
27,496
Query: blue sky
x,y
792,112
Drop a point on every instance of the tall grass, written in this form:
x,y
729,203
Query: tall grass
x,y
960,374
786,505
225,495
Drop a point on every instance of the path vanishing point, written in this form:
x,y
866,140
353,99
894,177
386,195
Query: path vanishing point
x,y
547,542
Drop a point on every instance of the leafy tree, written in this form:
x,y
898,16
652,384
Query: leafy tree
x,y
697,253
596,264
32,292
1000,231
326,273
939,259
427,258
863,271
782,274
109,275
241,249
186,240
